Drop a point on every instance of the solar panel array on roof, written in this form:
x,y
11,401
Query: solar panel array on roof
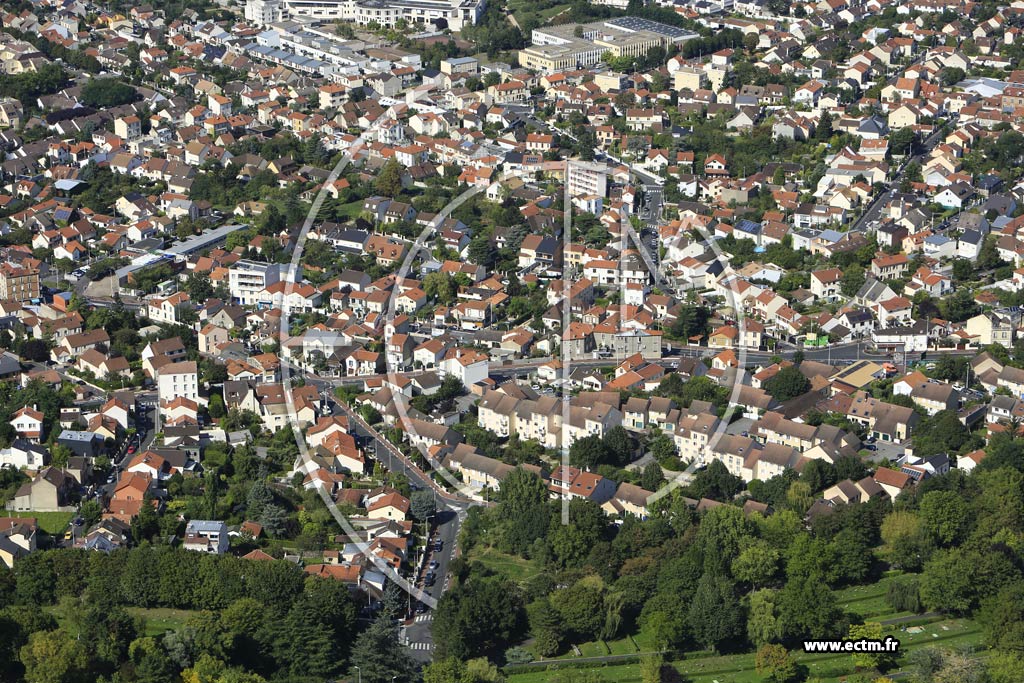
x,y
287,58
640,24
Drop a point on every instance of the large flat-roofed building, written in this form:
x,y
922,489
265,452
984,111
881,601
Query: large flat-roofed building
x,y
452,14
572,46
460,65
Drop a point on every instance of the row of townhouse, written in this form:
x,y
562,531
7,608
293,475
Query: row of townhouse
x,y
544,419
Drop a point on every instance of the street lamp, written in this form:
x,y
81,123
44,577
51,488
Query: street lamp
x,y
359,673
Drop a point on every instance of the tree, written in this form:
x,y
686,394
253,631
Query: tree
x,y
523,509
757,564
850,467
960,305
823,131
35,350
715,616
807,609
389,180
763,625
957,581
104,93
208,669
151,662
871,630
619,446
819,475
54,657
588,452
906,546
482,250
853,279
546,627
952,75
452,670
379,656
945,516
723,531
581,607
901,142
480,615
370,414
663,449
788,383
1004,667
913,172
440,287
652,478
59,455
662,618
715,482
903,594
775,665
573,543
691,320
1003,619
90,512
650,668
448,670
216,407
798,496
422,505
779,175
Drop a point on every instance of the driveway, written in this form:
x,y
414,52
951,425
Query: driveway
x,y
887,452
739,426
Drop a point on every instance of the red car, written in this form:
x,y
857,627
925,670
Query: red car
x,y
131,449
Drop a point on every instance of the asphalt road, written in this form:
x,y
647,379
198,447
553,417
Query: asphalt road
x,y
837,354
451,511
874,210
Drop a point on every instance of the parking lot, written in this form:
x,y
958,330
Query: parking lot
x,y
885,451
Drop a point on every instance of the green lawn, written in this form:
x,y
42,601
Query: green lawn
x,y
161,619
603,648
53,523
515,568
524,9
352,209
869,601
831,668
623,646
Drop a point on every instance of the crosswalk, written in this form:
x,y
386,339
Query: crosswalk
x,y
424,617
421,646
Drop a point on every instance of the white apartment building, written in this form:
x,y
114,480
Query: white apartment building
x,y
178,379
583,178
457,14
263,11
247,279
